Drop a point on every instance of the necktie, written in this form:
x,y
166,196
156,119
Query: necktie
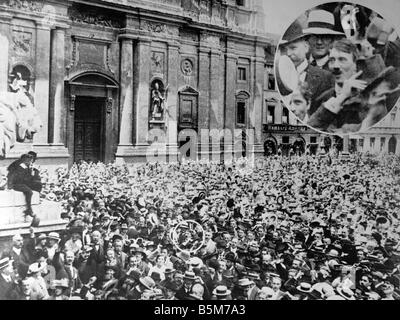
x,y
314,63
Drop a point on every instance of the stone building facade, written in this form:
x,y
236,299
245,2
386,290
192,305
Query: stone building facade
x,y
106,75
383,138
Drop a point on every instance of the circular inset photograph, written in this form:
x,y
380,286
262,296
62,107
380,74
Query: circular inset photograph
x,y
188,236
337,68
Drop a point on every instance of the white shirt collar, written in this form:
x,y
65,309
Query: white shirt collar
x,y
321,62
23,165
7,277
17,251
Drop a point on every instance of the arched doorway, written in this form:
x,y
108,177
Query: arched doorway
x,y
92,118
392,145
299,146
269,148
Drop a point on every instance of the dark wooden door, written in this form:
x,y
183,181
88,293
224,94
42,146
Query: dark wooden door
x,y
88,129
187,112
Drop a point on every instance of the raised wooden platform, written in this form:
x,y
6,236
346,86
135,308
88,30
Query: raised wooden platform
x,y
12,220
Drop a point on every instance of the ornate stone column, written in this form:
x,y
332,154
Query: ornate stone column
x,y
172,101
230,98
204,97
258,101
142,97
42,81
125,144
230,85
57,124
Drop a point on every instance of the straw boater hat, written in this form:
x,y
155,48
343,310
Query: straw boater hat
x,y
189,275
304,287
63,283
54,236
221,291
321,22
148,282
36,267
346,293
245,282
4,263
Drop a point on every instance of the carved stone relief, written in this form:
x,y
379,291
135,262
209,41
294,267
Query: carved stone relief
x,y
155,27
157,62
210,39
95,19
28,5
187,67
22,43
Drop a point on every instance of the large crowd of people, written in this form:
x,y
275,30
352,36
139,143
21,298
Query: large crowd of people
x,y
295,228
338,67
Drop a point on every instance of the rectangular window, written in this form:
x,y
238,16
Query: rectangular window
x,y
383,140
361,142
313,139
285,115
271,115
242,74
240,112
372,143
271,82
285,140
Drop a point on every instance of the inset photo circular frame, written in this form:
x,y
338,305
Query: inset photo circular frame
x,y
337,68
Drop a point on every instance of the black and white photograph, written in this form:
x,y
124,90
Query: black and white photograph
x,y
199,150
337,68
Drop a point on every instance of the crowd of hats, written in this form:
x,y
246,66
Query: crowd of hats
x,y
297,228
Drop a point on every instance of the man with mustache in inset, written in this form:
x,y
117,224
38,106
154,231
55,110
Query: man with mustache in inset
x,y
340,105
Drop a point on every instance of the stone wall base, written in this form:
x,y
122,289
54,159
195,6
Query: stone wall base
x,y
12,220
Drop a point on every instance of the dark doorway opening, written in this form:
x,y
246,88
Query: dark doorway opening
x,y
88,129
392,145
269,148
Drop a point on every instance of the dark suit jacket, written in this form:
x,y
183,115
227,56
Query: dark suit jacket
x,y
86,269
8,290
322,119
19,175
22,261
319,81
63,272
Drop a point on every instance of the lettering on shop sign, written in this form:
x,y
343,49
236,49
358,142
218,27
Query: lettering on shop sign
x,y
282,127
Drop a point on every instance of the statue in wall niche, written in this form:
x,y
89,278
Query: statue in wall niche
x,y
19,119
158,102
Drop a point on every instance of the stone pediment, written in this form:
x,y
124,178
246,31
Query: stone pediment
x,y
188,90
